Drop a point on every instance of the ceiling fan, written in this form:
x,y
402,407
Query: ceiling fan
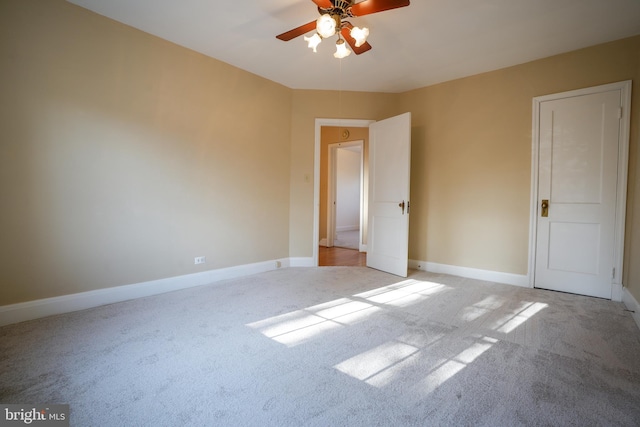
x,y
333,19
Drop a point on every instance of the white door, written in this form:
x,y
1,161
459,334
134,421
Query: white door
x,y
389,163
579,141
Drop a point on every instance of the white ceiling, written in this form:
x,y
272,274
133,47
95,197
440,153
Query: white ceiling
x,y
428,42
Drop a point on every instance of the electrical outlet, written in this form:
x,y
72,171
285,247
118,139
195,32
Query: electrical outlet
x,y
199,260
278,264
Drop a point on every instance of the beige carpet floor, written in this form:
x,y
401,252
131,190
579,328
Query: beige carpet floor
x,y
333,346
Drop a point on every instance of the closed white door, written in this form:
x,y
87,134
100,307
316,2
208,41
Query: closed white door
x,y
389,168
579,145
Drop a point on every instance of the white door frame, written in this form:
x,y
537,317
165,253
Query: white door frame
x,y
332,188
316,171
621,194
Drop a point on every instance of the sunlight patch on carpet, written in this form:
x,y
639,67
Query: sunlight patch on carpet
x,y
403,293
479,309
511,321
378,366
448,368
300,326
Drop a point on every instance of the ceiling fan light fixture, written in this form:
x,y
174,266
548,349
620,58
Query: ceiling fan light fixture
x,y
360,35
341,49
334,16
313,41
326,25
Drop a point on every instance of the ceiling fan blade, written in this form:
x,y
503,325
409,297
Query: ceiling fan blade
x,y
302,29
324,4
373,6
346,34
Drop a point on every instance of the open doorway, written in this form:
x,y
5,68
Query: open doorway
x,y
345,196
343,243
341,170
386,220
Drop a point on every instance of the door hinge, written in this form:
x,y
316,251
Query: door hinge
x,y
620,113
613,273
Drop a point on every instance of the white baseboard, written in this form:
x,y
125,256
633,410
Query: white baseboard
x,y
347,227
301,262
632,305
30,310
472,273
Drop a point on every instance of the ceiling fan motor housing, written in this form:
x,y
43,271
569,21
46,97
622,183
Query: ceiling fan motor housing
x,y
341,9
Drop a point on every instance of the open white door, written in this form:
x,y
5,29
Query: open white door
x,y
389,167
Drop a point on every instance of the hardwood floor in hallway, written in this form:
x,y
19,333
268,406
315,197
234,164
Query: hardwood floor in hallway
x,y
341,257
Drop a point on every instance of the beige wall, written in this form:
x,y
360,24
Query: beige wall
x,y
471,158
331,135
123,156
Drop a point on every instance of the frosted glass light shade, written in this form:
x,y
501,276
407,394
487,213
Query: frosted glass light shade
x,y
313,41
360,35
326,26
341,49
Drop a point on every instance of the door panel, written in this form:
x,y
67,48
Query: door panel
x,y
574,247
578,167
389,163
